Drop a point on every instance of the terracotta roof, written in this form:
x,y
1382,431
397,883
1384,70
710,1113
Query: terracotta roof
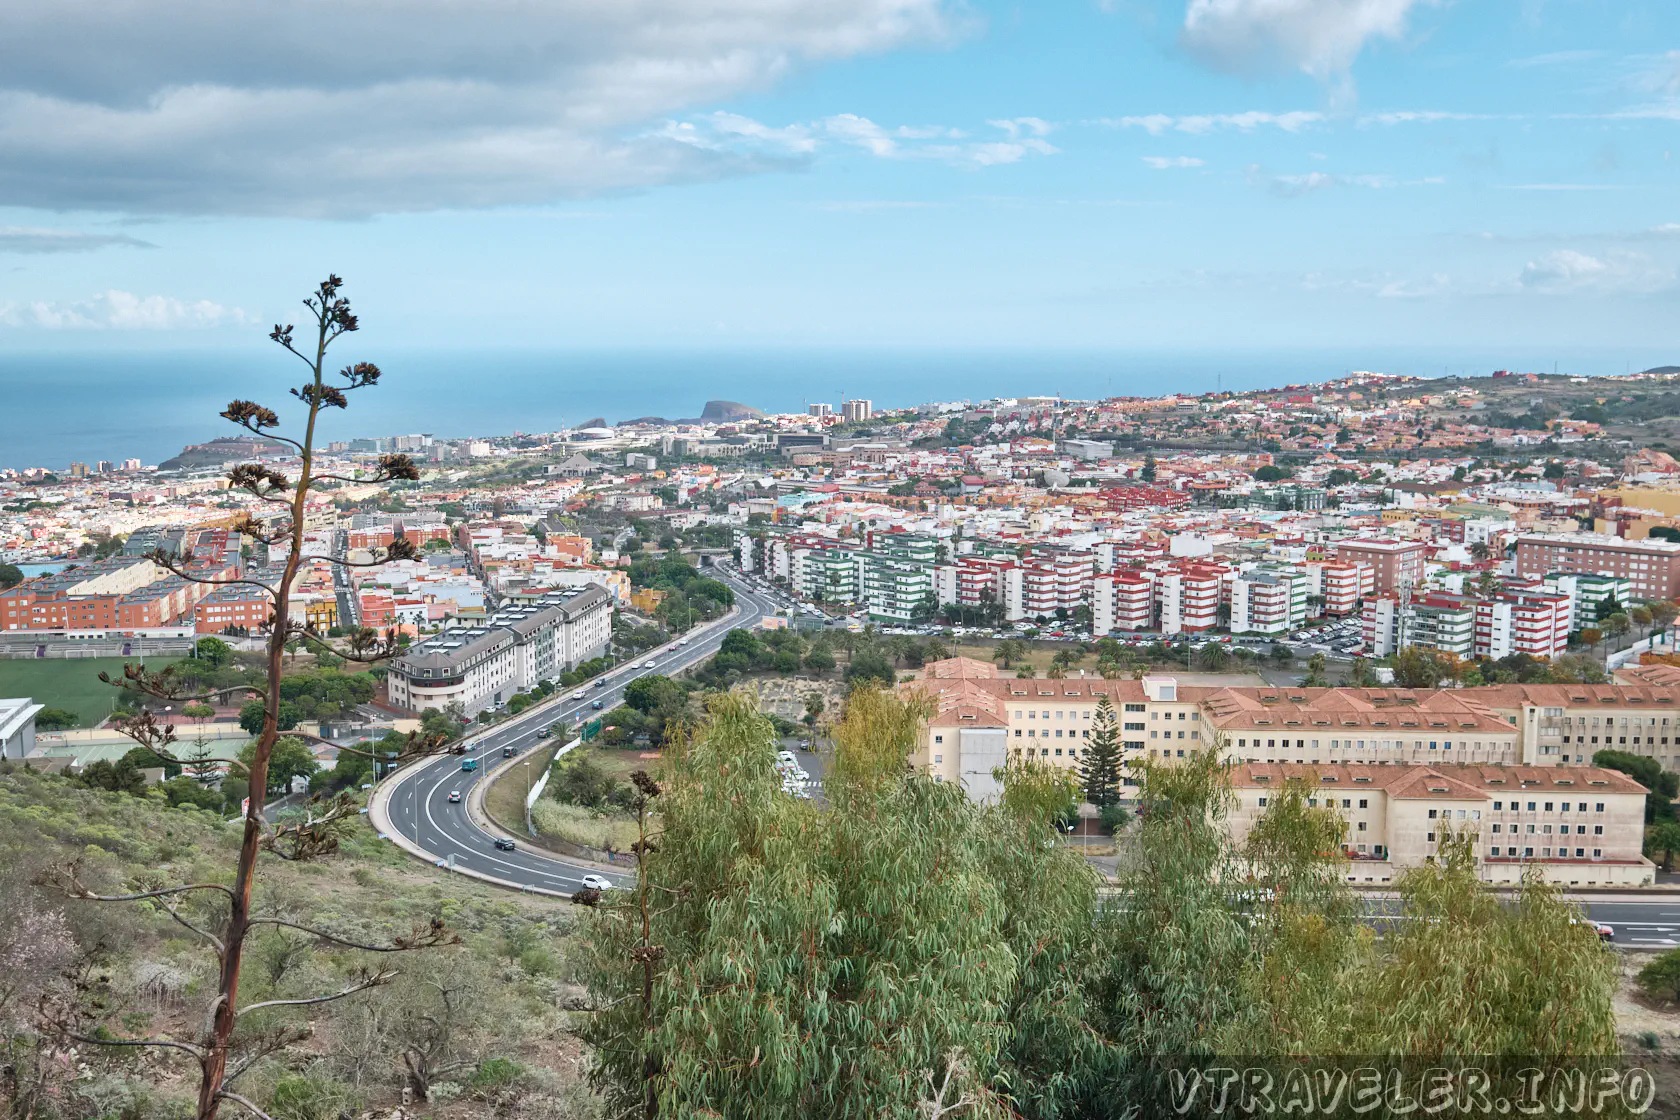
x,y
1648,695
1451,782
1383,709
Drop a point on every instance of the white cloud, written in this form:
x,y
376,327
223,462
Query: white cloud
x,y
1157,124
1162,163
33,239
1320,37
335,109
122,311
1566,270
1293,186
729,133
1414,289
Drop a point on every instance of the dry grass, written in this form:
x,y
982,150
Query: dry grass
x,y
577,825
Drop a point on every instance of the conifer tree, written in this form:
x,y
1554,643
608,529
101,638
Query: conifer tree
x,y
1099,770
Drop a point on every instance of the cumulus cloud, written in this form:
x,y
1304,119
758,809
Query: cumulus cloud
x,y
1567,270
122,311
33,239
1320,37
1162,163
352,107
726,132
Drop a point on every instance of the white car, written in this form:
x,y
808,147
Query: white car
x,y
597,882
649,665
579,694
786,756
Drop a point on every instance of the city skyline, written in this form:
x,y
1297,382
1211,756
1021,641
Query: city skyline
x,y
897,173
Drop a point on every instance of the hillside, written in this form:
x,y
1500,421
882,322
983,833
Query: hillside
x,y
486,1012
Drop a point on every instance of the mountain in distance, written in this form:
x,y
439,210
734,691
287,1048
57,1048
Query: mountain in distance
x,y
718,411
223,449
1662,369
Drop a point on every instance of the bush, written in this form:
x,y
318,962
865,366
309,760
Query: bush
x,y
577,825
304,1097
1661,978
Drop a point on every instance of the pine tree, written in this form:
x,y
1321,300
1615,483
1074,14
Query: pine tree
x,y
1099,772
1148,472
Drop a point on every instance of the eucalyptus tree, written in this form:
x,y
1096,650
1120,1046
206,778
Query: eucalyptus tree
x,y
901,950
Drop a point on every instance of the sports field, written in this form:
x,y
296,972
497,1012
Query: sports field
x,y
69,683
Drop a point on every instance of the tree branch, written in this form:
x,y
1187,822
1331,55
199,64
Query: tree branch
x,y
372,980
164,1043
230,1095
434,935
215,941
65,879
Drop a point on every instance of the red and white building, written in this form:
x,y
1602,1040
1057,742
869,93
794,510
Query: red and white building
x,y
1123,601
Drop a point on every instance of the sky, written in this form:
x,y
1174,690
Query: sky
x,y
1082,174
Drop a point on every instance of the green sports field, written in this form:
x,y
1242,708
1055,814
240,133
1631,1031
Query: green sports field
x,y
72,684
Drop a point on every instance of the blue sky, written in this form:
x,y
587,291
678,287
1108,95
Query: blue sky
x,y
734,173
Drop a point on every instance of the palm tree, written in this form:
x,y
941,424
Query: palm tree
x,y
1009,651
936,650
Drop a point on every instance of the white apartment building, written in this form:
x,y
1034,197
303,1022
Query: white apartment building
x,y
483,665
1269,600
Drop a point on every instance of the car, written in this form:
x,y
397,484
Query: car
x,y
600,684
1605,933
597,705
786,756
454,796
503,844
682,641
469,764
509,751
579,694
596,882
649,665
544,732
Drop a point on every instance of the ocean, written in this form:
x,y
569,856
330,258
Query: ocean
x,y
62,406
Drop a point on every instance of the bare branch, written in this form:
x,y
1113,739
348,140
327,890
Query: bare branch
x,y
370,980
163,1043
66,878
214,941
429,937
230,1095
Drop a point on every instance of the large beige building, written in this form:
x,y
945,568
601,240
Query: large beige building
x,y
1581,826
1395,759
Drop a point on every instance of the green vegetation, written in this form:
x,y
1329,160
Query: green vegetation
x,y
949,952
71,685
690,597
1664,785
467,1024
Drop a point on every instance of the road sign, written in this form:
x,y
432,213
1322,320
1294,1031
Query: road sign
x,y
591,729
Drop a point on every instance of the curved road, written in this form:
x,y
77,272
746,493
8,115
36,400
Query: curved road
x,y
416,798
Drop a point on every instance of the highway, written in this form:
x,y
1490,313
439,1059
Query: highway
x,y
418,795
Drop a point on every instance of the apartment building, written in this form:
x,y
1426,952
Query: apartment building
x,y
116,596
483,665
1566,724
1188,597
1651,567
1123,601
1535,623
1270,599
1394,564
1046,581
1580,826
1586,592
1343,586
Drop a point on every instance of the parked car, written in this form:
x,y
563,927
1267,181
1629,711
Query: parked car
x,y
597,882
454,796
505,845
786,756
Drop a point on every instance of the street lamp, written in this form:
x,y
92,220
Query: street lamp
x,y
529,831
